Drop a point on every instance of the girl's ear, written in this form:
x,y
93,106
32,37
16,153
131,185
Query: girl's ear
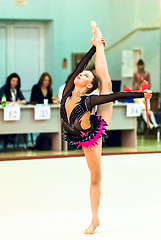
x,y
89,85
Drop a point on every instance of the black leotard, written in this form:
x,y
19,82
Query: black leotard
x,y
73,131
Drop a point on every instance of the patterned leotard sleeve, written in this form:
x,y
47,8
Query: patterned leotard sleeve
x,y
80,67
94,100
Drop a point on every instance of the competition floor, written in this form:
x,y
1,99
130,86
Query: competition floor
x,y
49,199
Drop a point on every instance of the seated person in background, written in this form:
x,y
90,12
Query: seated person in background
x,y
42,90
60,92
152,120
11,90
140,75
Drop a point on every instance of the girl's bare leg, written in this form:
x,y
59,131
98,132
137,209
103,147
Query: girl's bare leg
x,y
104,110
93,158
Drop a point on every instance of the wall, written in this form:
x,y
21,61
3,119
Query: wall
x,y
68,30
130,15
149,42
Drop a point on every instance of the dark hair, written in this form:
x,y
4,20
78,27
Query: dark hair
x,y
7,85
8,81
95,82
140,62
41,79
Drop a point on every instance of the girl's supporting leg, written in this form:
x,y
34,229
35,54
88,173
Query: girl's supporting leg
x,y
93,158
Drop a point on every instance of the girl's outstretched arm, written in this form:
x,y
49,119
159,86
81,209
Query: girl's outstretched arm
x,y
106,98
80,67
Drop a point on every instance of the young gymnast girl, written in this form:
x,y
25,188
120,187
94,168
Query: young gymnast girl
x,y
82,129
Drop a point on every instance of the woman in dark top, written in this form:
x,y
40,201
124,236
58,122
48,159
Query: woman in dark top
x,y
12,92
80,127
11,89
42,90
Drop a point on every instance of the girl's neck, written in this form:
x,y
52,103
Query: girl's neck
x,y
78,92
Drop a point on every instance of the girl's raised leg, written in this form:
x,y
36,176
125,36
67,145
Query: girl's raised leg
x,y
101,68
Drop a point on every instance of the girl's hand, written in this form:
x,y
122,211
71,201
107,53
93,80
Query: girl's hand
x,y
103,41
148,94
95,41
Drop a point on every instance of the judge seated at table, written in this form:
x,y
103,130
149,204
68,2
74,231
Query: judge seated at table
x,y
11,90
42,90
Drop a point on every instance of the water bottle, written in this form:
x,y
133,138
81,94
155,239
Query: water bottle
x,y
3,101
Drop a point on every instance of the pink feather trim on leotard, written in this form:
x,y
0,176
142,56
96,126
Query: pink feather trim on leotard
x,y
93,141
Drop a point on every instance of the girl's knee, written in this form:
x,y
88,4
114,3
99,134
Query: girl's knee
x,y
96,178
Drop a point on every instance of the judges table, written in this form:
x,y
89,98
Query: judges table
x,y
28,124
127,125
52,126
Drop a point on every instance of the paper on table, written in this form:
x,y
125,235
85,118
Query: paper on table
x,y
42,112
12,112
133,110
